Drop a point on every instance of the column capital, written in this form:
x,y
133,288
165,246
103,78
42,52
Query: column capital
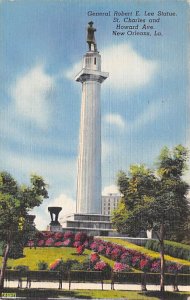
x,y
91,75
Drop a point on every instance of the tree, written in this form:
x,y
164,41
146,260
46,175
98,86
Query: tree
x,y
155,199
15,203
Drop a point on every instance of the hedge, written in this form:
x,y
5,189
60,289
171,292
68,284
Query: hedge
x,y
90,276
171,248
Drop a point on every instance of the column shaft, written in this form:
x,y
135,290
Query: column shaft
x,y
89,160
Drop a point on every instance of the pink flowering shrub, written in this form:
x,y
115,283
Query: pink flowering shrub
x,y
136,261
155,266
100,266
101,249
47,234
126,258
67,243
81,237
94,257
86,244
76,244
119,267
30,243
59,244
49,242
80,250
94,246
144,264
69,235
41,243
116,253
173,267
59,236
108,251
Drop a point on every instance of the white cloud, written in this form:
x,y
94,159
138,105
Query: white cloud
x,y
127,68
67,203
115,119
111,189
31,95
71,73
41,221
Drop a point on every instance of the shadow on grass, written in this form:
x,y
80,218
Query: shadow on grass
x,y
44,293
76,254
165,295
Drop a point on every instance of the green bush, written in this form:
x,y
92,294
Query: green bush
x,y
77,266
171,248
69,263
22,268
42,265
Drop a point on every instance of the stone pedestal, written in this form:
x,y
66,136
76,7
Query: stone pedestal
x,y
55,228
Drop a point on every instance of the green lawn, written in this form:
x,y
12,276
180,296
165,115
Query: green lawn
x,y
89,294
33,256
146,251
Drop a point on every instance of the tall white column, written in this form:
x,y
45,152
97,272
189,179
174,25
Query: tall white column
x,y
89,159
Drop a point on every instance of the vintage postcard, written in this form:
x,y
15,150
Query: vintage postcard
x,y
94,125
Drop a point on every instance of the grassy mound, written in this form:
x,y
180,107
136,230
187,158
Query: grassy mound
x,y
33,256
144,250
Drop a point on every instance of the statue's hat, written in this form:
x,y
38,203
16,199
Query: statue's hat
x,y
90,23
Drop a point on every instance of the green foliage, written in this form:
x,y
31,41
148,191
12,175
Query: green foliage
x,y
170,248
15,203
123,182
22,268
16,250
69,263
77,266
154,197
178,245
42,265
137,198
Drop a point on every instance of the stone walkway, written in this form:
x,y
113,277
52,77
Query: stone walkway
x,y
95,286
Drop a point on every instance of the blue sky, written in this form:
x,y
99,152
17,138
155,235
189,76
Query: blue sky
x,y
144,100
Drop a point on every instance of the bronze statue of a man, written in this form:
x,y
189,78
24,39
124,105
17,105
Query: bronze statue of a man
x,y
91,37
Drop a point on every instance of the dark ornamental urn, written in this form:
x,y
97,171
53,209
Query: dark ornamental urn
x,y
54,213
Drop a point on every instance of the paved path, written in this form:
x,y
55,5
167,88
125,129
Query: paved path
x,y
95,286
